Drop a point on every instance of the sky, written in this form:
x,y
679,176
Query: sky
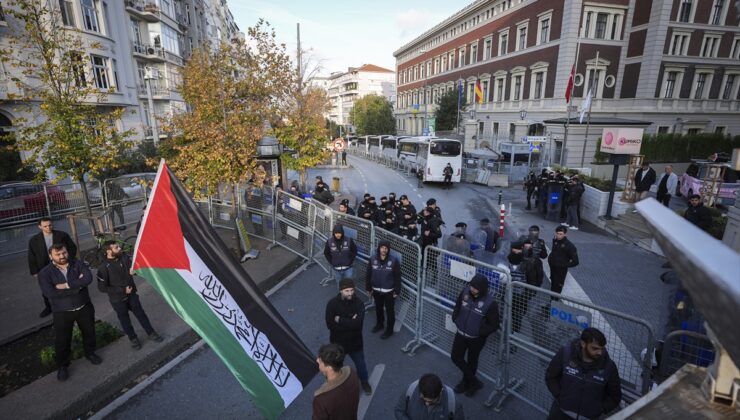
x,y
341,34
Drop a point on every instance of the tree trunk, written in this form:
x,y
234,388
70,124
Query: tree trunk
x,y
86,198
302,180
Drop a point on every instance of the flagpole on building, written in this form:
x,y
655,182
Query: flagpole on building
x,y
590,104
570,95
459,99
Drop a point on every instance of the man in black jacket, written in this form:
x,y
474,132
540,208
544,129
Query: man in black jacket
x,y
430,228
340,251
383,283
345,314
583,379
697,214
38,252
476,316
539,249
573,201
563,256
115,278
64,282
644,179
527,268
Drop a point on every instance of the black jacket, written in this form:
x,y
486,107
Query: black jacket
x,y
699,215
348,331
395,269
492,320
587,389
38,254
114,276
78,278
563,254
643,183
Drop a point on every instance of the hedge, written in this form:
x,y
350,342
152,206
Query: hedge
x,y
671,148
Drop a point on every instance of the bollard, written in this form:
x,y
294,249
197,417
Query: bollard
x,y
501,223
335,184
499,197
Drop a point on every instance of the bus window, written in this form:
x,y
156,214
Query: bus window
x,y
445,148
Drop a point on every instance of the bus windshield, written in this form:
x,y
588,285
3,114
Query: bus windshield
x,y
445,148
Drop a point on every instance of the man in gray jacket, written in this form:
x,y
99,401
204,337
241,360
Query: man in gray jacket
x,y
428,399
667,185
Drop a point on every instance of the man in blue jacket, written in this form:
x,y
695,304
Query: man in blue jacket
x,y
383,283
64,282
583,379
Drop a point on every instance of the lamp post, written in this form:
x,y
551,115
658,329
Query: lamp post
x,y
522,114
269,151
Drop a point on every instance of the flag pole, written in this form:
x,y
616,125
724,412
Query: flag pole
x,y
459,99
588,116
570,94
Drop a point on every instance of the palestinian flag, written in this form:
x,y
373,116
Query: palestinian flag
x,y
181,255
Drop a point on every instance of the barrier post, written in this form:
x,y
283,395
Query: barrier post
x,y
501,219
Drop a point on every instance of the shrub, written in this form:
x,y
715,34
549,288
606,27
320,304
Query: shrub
x,y
105,334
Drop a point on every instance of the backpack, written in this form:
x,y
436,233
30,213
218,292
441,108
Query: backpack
x,y
450,397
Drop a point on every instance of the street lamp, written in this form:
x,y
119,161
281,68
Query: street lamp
x,y
269,151
522,114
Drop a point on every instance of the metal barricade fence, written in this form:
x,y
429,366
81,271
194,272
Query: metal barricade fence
x,y
224,213
539,322
294,218
409,255
681,347
363,233
323,225
127,194
257,210
444,275
204,205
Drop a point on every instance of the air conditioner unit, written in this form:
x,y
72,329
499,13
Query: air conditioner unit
x,y
150,51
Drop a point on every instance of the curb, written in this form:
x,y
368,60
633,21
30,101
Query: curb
x,y
27,331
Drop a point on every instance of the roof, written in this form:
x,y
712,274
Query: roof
x,y
373,68
596,120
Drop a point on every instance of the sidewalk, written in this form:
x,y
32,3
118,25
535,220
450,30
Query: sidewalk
x,y
89,385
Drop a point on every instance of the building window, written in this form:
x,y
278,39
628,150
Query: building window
x,y
602,22
521,37
700,85
735,52
718,12
679,44
710,45
90,15
68,13
487,48
170,40
729,85
516,88
719,130
684,11
429,68
100,72
503,45
78,69
474,52
601,19
499,89
485,87
451,61
436,66
663,129
544,31
461,57
670,84
539,85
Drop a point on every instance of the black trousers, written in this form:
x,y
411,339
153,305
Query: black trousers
x,y
64,322
385,307
664,198
473,347
556,413
132,304
448,181
47,305
557,278
520,308
530,194
117,209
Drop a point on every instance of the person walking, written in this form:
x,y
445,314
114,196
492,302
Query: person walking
x,y
345,314
476,316
338,397
644,179
383,283
344,157
697,214
447,172
428,398
115,278
64,282
573,201
582,379
38,252
340,251
563,256
115,199
667,185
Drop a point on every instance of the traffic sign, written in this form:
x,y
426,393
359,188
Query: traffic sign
x,y
339,144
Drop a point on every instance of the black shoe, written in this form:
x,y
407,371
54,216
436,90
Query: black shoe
x,y
460,388
94,359
135,343
367,388
386,334
62,374
376,328
156,337
474,388
46,312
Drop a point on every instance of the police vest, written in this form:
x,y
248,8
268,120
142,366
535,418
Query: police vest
x,y
517,274
382,275
340,254
472,313
582,391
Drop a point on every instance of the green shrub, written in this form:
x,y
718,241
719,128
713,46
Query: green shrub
x,y
600,184
105,334
600,157
684,147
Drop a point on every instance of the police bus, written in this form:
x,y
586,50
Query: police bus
x,y
431,155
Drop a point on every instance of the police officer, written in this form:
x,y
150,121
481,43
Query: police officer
x,y
476,316
345,208
563,256
524,267
583,379
361,208
539,249
407,219
340,251
370,210
429,226
447,172
432,203
386,219
383,283
530,184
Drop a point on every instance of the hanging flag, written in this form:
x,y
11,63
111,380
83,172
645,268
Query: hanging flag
x,y
186,261
478,92
569,88
459,94
585,106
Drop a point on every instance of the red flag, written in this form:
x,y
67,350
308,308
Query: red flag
x,y
569,89
478,92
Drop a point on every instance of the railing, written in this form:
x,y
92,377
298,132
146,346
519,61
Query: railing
x,y
148,50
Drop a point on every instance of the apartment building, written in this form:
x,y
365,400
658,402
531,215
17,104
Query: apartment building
x,y
345,88
672,63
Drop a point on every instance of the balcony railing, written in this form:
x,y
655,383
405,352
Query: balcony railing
x,y
145,9
148,51
173,58
158,91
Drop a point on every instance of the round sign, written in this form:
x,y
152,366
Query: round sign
x,y
339,145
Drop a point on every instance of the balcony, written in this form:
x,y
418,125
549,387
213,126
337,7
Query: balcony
x,y
173,58
146,10
158,92
148,51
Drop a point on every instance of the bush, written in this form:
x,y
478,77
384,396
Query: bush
x,y
599,184
684,147
105,334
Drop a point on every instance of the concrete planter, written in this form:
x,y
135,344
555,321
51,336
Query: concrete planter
x,y
594,202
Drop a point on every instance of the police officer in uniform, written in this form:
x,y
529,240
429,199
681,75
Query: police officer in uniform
x,y
383,283
407,219
345,208
476,316
430,226
386,218
340,251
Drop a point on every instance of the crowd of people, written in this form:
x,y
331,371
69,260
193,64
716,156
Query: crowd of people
x,y
537,187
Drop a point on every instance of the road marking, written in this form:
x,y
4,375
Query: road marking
x,y
365,399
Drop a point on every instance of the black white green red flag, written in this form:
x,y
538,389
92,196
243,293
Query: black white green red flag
x,y
186,261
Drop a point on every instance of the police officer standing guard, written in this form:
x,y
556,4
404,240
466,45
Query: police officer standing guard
x,y
340,251
383,283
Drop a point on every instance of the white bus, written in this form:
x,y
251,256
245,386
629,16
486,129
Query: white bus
x,y
431,155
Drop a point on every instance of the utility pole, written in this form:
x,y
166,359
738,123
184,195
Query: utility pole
x,y
298,53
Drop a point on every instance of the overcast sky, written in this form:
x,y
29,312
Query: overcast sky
x,y
340,34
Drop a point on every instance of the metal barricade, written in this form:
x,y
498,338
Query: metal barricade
x,y
257,210
539,322
127,195
681,347
323,225
294,218
445,274
409,255
204,205
223,213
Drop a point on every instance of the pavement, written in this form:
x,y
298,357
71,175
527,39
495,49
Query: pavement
x,y
90,386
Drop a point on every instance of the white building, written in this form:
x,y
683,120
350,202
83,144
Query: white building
x,y
346,87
